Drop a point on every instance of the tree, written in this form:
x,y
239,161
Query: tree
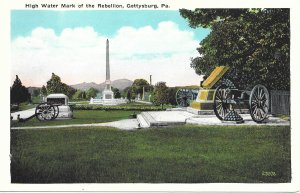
x,y
172,95
44,91
138,85
255,43
128,96
160,94
91,93
36,92
67,90
18,92
127,93
117,93
54,85
83,95
78,95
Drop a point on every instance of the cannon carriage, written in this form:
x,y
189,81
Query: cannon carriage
x,y
219,94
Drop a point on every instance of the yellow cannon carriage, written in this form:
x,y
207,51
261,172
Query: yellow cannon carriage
x,y
219,94
205,98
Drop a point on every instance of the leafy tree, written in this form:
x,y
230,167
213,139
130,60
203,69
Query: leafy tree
x,y
18,92
83,95
54,85
36,92
128,96
129,93
172,95
138,85
124,92
255,43
160,94
133,93
67,90
79,94
44,91
117,93
91,93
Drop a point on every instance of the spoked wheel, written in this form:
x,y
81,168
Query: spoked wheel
x,y
259,103
184,97
221,105
45,112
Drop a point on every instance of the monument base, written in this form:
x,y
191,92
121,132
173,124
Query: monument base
x,y
65,112
108,95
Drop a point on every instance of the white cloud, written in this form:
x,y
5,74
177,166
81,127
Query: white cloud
x,y
78,55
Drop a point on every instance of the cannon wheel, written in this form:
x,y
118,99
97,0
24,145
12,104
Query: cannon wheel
x,y
221,107
259,103
56,111
184,97
45,112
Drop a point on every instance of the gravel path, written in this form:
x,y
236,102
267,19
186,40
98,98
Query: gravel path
x,y
126,124
23,114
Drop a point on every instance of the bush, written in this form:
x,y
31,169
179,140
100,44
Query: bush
x,y
118,107
14,108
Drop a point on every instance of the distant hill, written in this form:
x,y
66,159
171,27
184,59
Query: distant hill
x,y
120,84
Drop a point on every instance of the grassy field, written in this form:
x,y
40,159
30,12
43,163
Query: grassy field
x,y
80,117
185,154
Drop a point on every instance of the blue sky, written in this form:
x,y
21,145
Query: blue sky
x,y
106,22
72,45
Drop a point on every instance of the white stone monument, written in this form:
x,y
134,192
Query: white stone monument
x,y
107,94
63,100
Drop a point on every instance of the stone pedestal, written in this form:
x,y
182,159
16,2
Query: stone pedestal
x,y
108,95
65,112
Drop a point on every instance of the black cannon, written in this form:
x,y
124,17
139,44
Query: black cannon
x,y
226,99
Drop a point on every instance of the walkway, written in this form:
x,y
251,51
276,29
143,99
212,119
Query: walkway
x,y
127,124
171,118
23,114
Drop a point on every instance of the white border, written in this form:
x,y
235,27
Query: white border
x,y
5,185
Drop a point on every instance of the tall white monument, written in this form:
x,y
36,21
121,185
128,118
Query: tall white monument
x,y
107,93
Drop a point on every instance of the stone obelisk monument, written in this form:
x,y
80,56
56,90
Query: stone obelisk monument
x,y
107,93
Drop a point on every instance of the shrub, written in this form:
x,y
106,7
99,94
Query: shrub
x,y
118,107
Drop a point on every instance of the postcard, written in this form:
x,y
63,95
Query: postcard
x,y
149,96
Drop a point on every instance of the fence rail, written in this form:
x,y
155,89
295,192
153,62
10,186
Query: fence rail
x,y
280,102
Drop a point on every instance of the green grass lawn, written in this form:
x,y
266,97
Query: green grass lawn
x,y
80,117
183,154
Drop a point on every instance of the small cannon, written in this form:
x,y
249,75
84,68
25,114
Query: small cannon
x,y
256,100
43,112
56,105
184,96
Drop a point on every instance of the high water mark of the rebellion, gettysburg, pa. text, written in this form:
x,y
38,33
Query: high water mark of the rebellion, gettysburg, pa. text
x,y
95,6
